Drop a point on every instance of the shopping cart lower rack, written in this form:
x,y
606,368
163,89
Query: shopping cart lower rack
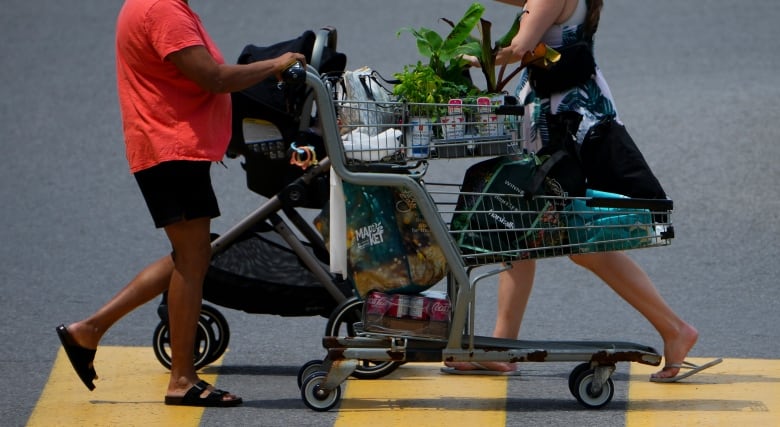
x,y
482,229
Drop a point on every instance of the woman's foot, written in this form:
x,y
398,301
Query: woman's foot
x,y
675,350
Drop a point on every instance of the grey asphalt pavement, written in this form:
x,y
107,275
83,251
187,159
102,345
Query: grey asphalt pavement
x,y
695,83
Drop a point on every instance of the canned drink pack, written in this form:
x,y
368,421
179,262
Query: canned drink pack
x,y
438,309
417,305
377,303
399,306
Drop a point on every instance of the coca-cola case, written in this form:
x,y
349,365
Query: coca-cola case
x,y
425,314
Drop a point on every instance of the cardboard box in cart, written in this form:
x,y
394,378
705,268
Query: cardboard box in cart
x,y
421,315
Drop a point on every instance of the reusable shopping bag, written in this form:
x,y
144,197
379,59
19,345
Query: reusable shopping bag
x,y
600,229
389,246
496,215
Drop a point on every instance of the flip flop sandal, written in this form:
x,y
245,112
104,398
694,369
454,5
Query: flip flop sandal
x,y
693,369
479,369
80,358
193,398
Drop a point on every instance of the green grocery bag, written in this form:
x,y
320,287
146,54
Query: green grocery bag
x,y
494,217
389,245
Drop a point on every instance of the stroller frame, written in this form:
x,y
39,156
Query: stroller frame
x,y
320,380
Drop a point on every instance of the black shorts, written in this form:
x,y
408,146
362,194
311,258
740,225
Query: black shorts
x,y
178,190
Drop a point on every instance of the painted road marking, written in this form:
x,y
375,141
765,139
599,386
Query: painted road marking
x,y
742,392
417,392
130,391
737,392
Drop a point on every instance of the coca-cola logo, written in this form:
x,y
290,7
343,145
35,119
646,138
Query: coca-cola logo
x,y
378,302
440,306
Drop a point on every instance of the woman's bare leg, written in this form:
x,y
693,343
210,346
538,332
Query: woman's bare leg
x,y
632,284
514,291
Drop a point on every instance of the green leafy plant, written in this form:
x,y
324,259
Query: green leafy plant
x,y
485,51
444,54
420,84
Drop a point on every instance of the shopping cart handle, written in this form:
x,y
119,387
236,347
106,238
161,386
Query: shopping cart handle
x,y
651,204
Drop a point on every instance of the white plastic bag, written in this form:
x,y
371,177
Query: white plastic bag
x,y
364,147
372,109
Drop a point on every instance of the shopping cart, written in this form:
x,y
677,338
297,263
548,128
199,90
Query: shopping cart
x,y
363,154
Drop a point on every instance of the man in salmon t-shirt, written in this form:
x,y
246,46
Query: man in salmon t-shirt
x,y
174,90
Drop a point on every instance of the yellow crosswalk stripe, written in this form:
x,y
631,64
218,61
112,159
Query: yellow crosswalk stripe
x,y
737,392
129,392
132,384
417,394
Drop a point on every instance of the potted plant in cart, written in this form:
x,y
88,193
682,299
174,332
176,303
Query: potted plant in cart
x,y
425,94
446,74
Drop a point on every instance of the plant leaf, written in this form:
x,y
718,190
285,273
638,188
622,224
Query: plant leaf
x,y
506,39
463,28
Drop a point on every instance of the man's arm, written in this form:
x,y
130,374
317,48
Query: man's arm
x,y
197,64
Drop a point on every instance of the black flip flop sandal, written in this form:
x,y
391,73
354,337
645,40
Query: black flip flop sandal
x,y
193,398
80,358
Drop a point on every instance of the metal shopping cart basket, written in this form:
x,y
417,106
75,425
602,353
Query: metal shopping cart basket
x,y
472,228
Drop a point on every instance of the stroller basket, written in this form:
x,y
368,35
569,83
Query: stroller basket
x,y
260,273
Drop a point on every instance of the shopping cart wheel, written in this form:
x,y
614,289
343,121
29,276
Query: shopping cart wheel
x,y
307,369
211,318
585,393
204,344
314,397
341,324
574,376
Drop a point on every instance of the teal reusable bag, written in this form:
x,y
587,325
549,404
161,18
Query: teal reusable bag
x,y
389,247
600,229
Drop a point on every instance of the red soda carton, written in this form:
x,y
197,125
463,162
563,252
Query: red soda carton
x,y
417,305
438,309
399,306
377,303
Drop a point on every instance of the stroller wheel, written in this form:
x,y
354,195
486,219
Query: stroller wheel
x,y
341,324
213,320
204,344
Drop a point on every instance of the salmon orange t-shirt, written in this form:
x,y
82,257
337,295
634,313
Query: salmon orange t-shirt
x,y
166,116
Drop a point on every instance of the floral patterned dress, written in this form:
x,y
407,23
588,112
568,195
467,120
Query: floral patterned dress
x,y
592,99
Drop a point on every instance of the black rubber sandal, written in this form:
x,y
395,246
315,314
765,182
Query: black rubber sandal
x,y
80,358
193,398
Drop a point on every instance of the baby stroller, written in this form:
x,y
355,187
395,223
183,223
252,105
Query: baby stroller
x,y
273,261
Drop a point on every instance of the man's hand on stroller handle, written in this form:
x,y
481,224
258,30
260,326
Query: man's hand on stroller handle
x,y
293,64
